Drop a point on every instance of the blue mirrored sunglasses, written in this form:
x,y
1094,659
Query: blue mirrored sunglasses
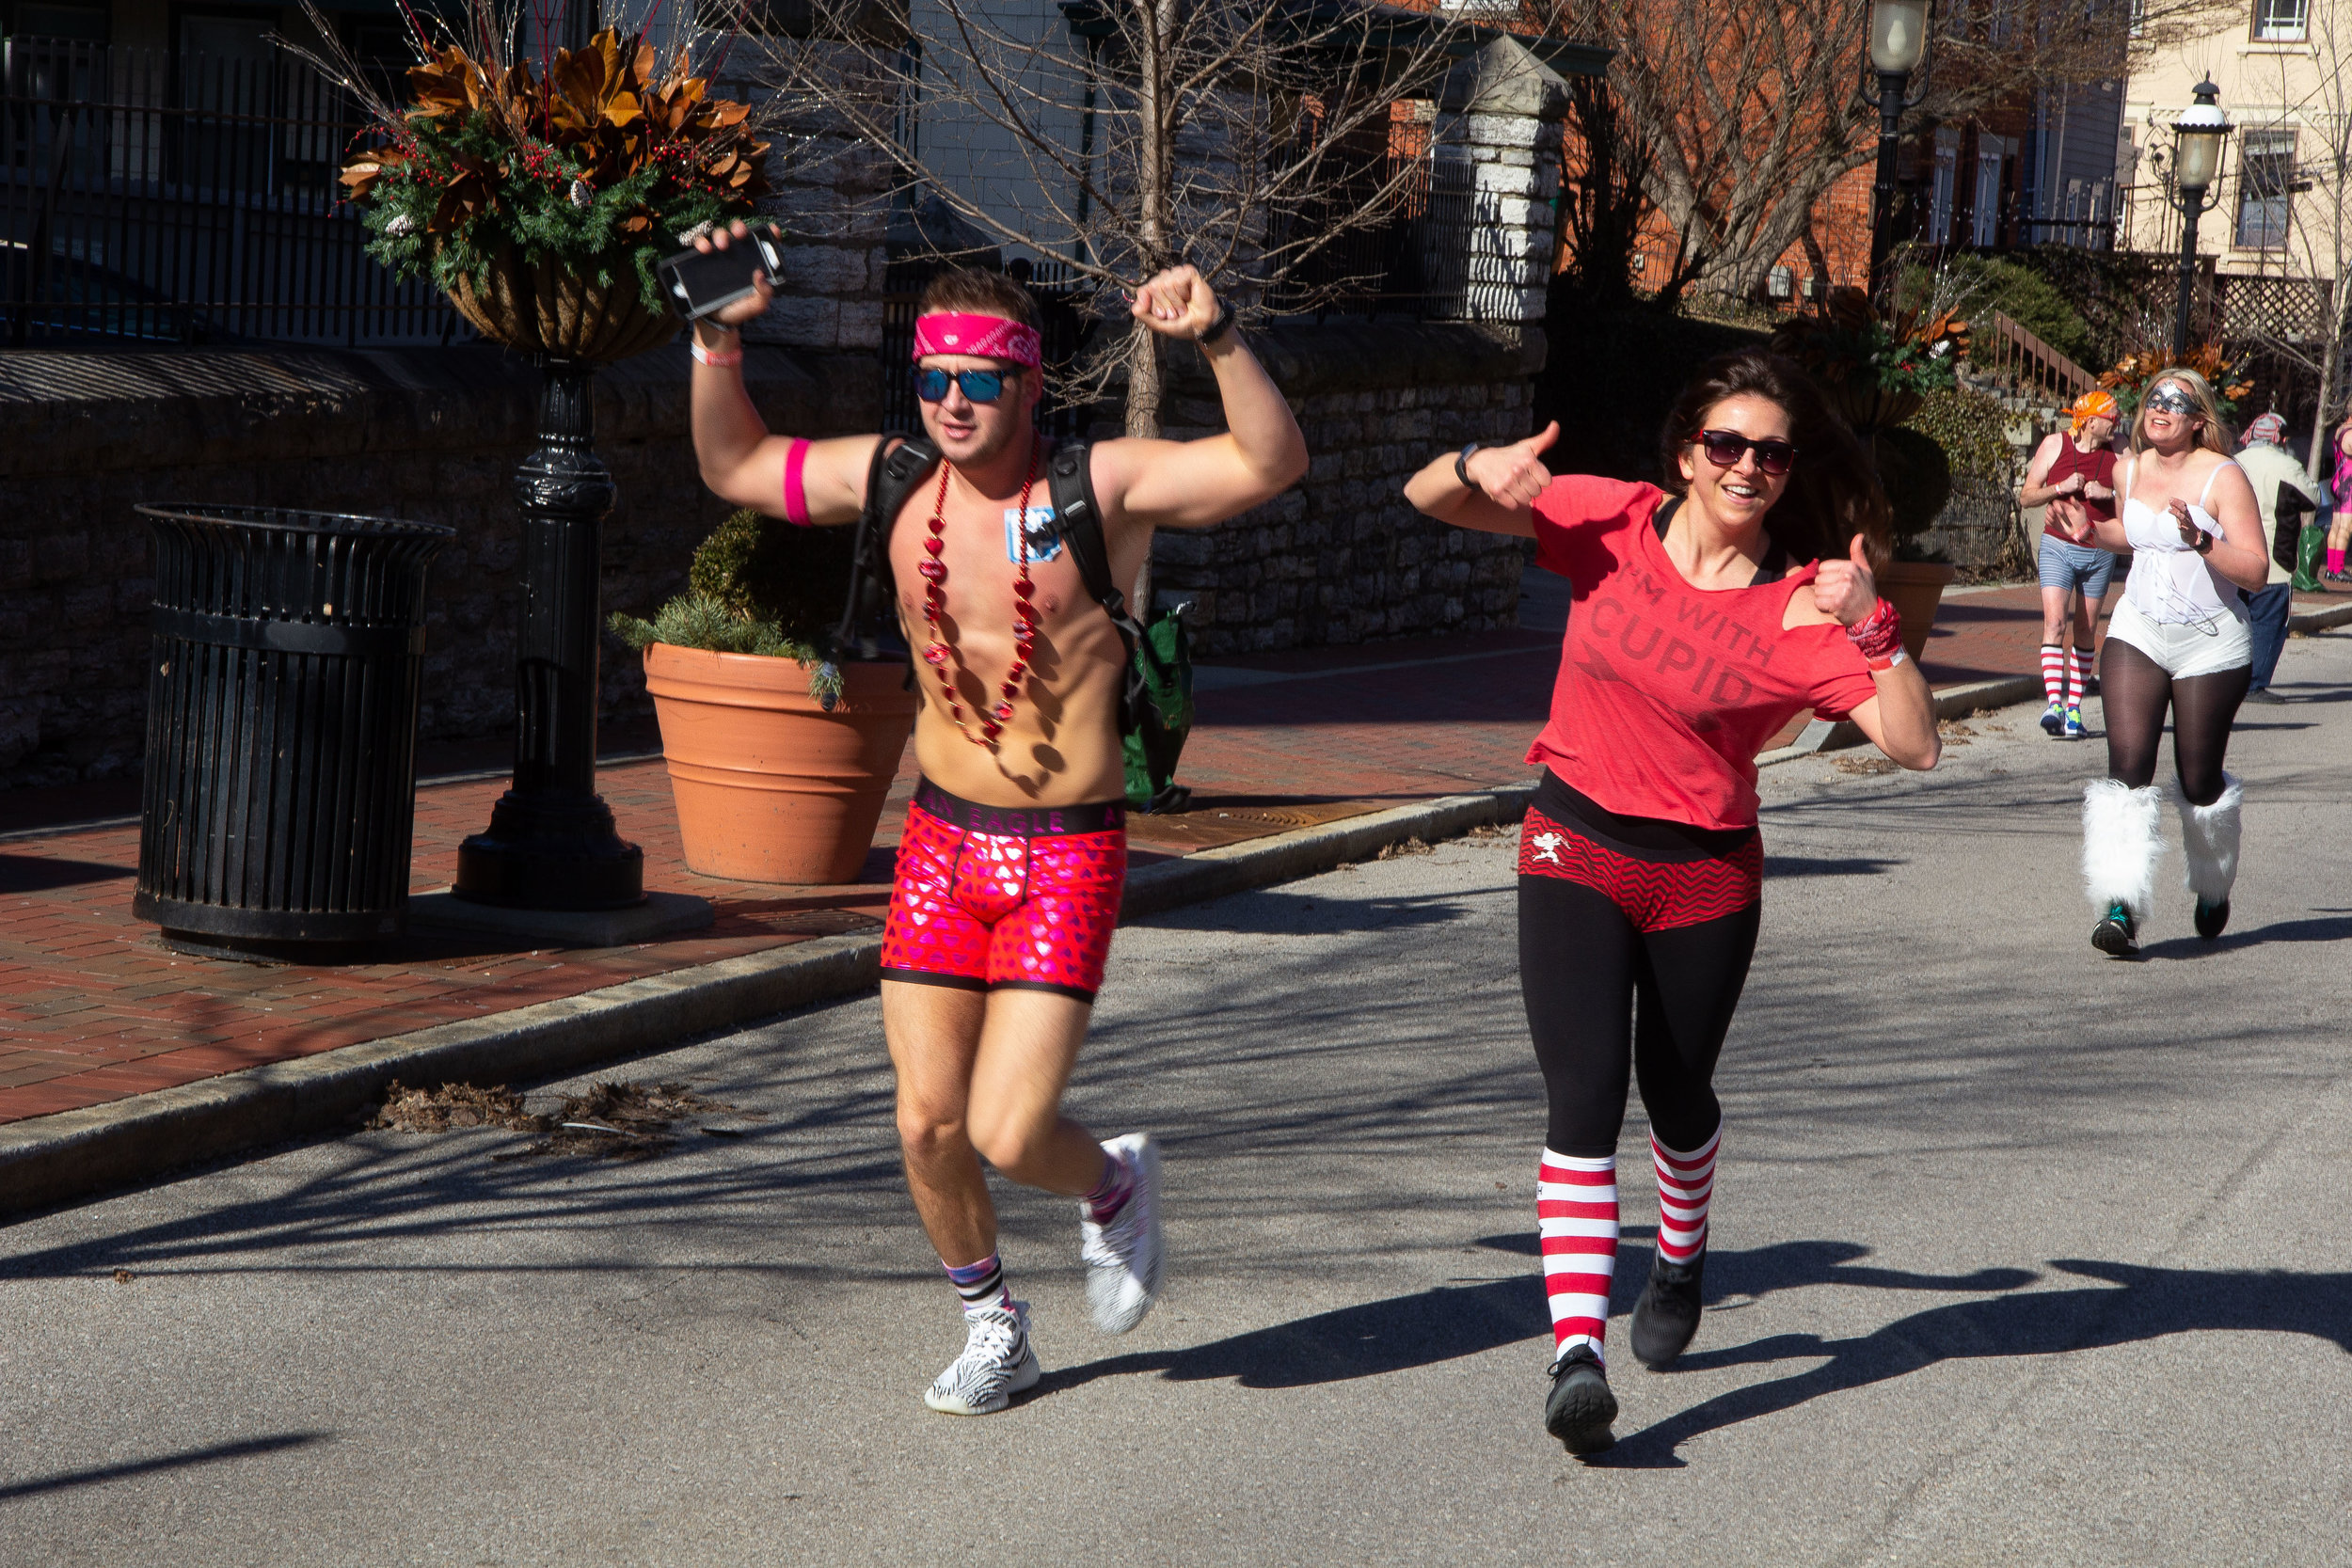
x,y
978,385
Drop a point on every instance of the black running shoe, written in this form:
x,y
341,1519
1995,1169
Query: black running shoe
x,y
1667,1317
1581,1406
2211,918
2118,934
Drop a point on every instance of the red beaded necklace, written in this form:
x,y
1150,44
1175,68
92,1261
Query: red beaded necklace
x,y
938,654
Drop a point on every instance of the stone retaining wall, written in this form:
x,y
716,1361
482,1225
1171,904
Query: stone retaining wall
x,y
1342,557
433,434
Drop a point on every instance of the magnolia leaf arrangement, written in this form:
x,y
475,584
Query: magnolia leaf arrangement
x,y
597,159
2222,370
1850,343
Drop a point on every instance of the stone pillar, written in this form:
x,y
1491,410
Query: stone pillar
x,y
1498,122
831,195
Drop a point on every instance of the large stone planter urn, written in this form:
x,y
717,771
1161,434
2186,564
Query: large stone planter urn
x,y
770,786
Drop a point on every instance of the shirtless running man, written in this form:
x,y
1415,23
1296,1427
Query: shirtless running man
x,y
1014,853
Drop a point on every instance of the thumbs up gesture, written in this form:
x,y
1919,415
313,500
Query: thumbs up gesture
x,y
1514,476
1845,590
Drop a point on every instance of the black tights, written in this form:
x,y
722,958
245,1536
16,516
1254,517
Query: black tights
x,y
2134,691
1583,969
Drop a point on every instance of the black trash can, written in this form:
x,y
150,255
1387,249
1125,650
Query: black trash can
x,y
282,728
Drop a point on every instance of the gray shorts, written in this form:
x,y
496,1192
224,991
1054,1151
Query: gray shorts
x,y
2084,566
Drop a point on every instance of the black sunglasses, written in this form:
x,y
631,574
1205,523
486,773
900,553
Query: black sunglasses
x,y
1724,448
978,385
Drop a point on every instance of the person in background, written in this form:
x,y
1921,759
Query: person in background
x,y
2072,477
2340,529
2284,492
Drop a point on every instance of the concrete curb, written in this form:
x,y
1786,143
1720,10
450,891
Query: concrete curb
x,y
47,1161
2320,620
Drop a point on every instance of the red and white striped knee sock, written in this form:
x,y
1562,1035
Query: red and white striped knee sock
x,y
2053,672
1576,1217
1686,1185
2077,670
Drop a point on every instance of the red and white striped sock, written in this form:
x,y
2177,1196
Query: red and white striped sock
x,y
1576,1217
2053,672
2077,668
1686,1185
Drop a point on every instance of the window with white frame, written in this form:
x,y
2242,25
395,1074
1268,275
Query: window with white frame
x,y
2265,177
1942,189
2282,21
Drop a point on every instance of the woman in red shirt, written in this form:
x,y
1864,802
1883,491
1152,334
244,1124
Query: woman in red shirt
x,y
1698,630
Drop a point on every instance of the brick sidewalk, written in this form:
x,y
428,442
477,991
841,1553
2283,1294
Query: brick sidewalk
x,y
93,1008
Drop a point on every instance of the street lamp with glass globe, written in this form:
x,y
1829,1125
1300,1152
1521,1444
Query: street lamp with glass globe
x,y
2197,138
1898,40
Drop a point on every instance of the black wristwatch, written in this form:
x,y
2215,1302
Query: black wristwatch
x,y
1220,326
1461,467
2204,543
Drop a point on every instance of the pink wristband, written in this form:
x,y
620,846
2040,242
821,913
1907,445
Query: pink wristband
x,y
795,498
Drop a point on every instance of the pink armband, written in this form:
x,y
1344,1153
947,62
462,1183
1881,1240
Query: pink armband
x,y
795,498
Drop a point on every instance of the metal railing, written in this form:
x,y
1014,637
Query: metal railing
x,y
154,198
2007,351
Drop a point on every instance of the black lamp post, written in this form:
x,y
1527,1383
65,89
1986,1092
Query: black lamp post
x,y
1898,40
2197,138
552,843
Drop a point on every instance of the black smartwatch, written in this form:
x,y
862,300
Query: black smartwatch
x,y
1461,467
1220,326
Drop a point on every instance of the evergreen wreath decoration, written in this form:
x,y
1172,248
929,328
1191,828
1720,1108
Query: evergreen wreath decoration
x,y
598,161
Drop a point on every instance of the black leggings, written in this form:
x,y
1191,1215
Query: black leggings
x,y
1604,999
2134,691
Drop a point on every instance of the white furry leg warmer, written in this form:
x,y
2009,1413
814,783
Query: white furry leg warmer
x,y
2209,836
2122,846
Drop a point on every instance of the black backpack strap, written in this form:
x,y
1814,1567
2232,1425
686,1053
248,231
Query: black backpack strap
x,y
899,464
1070,480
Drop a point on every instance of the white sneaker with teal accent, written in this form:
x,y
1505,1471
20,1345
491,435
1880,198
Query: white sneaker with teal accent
x,y
1123,1258
997,1364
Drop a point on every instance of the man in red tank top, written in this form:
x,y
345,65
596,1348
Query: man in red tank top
x,y
2072,477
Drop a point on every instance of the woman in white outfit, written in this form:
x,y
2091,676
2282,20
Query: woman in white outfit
x,y
2179,640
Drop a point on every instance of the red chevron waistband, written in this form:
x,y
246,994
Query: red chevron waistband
x,y
1654,896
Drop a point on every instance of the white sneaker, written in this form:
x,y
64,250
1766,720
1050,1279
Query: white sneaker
x,y
997,1364
1122,1258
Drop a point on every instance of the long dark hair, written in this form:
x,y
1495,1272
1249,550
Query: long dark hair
x,y
1833,490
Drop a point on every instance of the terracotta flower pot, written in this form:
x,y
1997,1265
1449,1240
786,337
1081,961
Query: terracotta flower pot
x,y
1915,587
770,786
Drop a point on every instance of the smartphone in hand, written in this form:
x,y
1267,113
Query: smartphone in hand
x,y
701,281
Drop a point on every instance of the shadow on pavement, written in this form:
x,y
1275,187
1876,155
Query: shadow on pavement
x,y
1278,912
185,1459
1366,1340
1405,1332
2335,929
2133,1304
1801,865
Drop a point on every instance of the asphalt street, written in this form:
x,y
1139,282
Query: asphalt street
x,y
2021,1255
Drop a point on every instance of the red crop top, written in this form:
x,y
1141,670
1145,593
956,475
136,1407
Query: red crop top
x,y
1666,692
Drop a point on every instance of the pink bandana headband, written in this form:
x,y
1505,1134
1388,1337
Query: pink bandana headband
x,y
984,337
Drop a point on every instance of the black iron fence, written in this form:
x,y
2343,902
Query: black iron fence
x,y
148,197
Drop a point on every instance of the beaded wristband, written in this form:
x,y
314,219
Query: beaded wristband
x,y
724,357
1879,636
